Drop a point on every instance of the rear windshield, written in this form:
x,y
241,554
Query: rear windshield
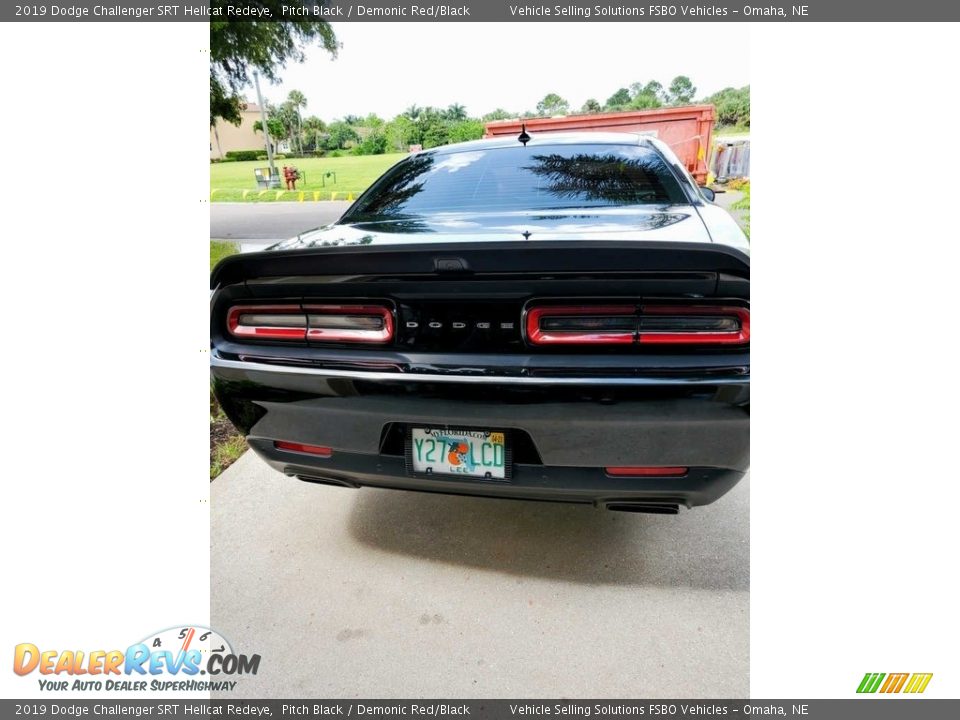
x,y
520,178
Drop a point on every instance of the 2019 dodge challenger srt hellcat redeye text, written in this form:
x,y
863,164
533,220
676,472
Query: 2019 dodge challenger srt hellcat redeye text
x,y
561,317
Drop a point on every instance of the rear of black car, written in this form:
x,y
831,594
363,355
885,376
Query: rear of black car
x,y
612,372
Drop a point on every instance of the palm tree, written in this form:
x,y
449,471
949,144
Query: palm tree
x,y
456,111
297,101
591,106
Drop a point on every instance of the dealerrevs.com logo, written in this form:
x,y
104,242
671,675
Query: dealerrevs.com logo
x,y
186,658
910,683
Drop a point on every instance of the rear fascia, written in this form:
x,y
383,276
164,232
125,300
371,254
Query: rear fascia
x,y
666,399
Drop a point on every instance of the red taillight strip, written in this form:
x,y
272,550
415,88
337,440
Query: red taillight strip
x,y
541,337
645,471
381,335
536,335
299,319
318,450
266,332
740,337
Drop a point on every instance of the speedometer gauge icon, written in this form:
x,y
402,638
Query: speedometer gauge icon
x,y
182,639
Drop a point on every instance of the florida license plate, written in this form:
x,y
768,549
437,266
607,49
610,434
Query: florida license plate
x,y
466,453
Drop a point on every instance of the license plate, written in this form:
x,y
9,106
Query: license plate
x,y
465,453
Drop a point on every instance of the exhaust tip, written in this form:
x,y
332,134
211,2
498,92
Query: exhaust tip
x,y
336,482
644,507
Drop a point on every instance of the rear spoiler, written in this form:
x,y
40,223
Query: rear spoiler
x,y
486,258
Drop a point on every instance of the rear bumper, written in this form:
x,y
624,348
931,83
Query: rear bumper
x,y
571,427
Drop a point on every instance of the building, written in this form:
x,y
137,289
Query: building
x,y
225,136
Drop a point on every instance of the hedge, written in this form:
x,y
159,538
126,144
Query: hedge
x,y
243,154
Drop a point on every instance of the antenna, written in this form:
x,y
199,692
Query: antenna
x,y
524,136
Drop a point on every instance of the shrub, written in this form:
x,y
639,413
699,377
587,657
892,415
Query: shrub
x,y
243,154
373,144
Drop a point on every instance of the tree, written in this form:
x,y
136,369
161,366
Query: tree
x,y
465,130
733,106
239,48
339,134
645,101
400,133
591,106
298,101
412,112
431,128
646,97
456,112
314,128
652,88
274,127
498,114
373,144
681,90
552,104
620,99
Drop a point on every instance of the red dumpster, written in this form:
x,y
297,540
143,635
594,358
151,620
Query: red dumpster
x,y
687,130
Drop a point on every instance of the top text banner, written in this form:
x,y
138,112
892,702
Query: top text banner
x,y
483,11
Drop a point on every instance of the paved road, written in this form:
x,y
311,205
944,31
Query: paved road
x,y
378,593
270,221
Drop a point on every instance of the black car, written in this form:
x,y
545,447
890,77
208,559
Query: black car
x,y
564,317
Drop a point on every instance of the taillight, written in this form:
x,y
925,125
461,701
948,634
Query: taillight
x,y
267,322
321,323
694,325
582,325
349,323
647,324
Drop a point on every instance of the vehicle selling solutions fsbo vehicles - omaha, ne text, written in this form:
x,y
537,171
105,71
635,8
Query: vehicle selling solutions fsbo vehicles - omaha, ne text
x,y
563,317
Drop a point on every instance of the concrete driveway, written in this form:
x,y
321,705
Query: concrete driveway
x,y
378,593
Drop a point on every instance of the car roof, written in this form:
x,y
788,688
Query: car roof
x,y
544,138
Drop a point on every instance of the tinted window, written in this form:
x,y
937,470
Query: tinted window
x,y
520,178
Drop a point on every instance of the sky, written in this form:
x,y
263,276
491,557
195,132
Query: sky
x,y
386,67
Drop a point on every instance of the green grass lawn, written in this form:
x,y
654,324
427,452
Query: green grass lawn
x,y
731,131
229,180
219,249
226,444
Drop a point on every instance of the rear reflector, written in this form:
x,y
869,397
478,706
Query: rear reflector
x,y
322,323
646,471
300,448
631,324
